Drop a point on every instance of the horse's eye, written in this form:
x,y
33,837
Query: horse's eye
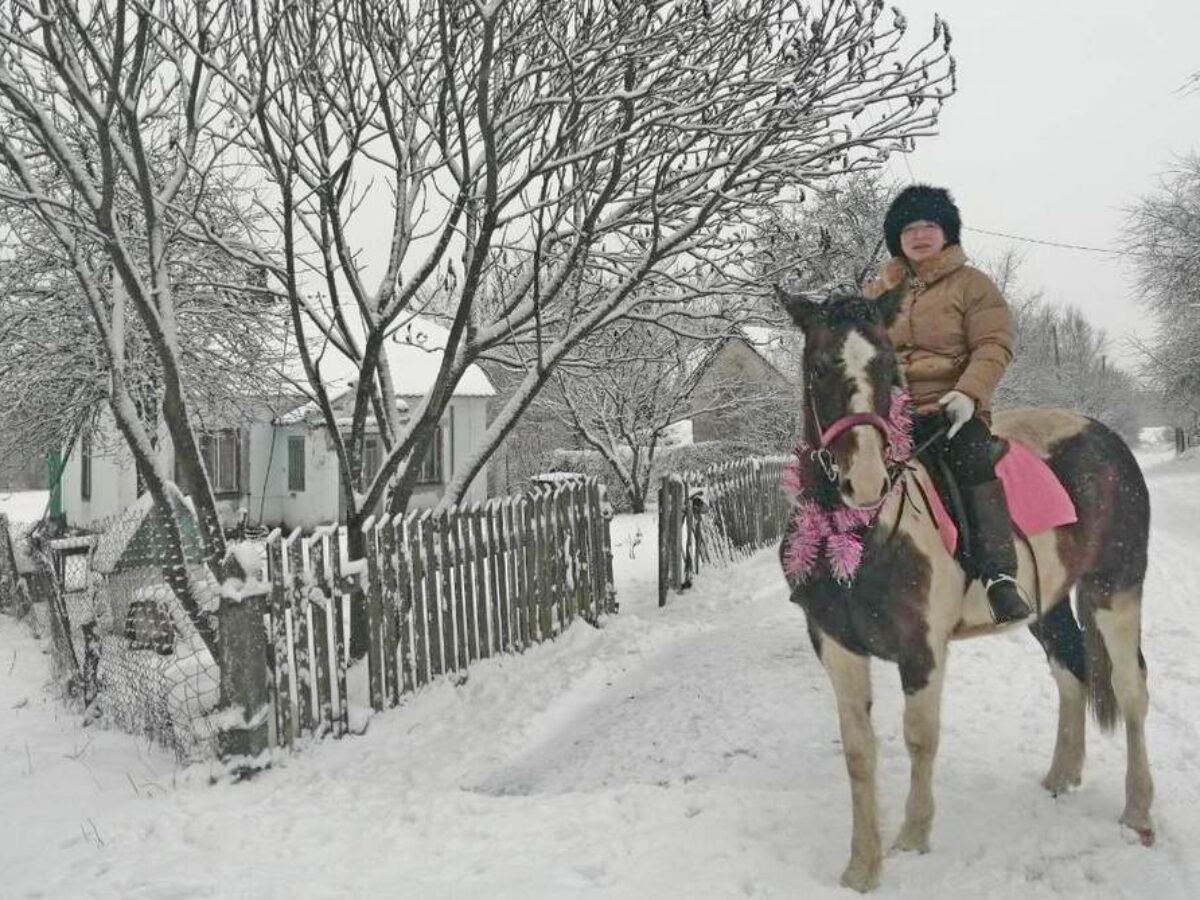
x,y
818,370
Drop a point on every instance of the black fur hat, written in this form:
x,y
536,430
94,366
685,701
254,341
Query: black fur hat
x,y
921,203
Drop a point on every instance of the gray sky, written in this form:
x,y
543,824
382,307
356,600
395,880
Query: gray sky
x,y
1067,111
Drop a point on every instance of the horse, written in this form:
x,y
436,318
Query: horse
x,y
909,596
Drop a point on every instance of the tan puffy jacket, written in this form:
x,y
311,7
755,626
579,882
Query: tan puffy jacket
x,y
954,330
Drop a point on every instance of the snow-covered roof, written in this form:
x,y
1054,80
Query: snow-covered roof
x,y
414,352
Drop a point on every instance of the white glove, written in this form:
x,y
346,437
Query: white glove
x,y
959,410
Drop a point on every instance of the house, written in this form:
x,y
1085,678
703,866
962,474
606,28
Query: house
x,y
748,390
277,461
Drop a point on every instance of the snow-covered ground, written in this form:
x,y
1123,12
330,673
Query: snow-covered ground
x,y
689,752
24,506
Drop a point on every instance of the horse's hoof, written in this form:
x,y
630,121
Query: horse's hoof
x,y
1061,784
1142,832
861,877
912,839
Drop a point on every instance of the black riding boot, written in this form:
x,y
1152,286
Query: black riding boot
x,y
993,551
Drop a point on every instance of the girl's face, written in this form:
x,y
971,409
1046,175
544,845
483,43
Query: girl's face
x,y
920,240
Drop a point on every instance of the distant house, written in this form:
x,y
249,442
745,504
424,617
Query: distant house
x,y
278,463
746,377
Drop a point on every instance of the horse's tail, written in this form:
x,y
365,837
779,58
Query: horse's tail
x,y
1100,695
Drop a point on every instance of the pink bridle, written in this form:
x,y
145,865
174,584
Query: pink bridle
x,y
854,420
839,427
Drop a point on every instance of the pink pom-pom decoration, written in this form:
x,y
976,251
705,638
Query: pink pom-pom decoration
x,y
844,552
836,536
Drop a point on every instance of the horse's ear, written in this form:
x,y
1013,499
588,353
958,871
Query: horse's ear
x,y
889,303
798,306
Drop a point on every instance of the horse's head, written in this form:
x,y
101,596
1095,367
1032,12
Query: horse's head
x,y
850,372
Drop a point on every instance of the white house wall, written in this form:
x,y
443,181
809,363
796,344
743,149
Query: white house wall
x,y
269,502
114,476
470,423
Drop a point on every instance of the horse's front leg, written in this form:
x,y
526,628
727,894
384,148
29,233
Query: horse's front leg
x,y
921,676
851,677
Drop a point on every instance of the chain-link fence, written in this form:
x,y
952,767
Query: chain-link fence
x,y
124,645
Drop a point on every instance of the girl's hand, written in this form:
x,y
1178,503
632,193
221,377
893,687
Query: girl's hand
x,y
959,409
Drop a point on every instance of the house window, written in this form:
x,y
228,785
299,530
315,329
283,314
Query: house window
x,y
372,457
85,467
431,468
221,453
296,462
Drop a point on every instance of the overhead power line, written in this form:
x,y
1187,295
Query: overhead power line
x,y
1062,244
1029,240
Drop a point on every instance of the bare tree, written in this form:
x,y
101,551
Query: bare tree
x,y
107,147
833,239
53,371
1059,358
1166,247
623,389
533,170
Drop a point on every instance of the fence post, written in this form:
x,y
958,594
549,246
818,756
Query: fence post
x,y
337,545
664,543
397,606
377,643
282,658
243,734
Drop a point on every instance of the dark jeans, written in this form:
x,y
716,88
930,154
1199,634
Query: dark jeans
x,y
968,454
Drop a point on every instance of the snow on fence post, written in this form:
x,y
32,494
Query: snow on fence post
x,y
242,729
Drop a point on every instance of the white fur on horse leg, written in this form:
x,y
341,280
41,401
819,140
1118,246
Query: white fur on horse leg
x,y
851,677
1066,767
1121,627
922,728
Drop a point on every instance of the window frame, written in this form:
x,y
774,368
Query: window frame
x,y
432,469
85,467
297,476
216,462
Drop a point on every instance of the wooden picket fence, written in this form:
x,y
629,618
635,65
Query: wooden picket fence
x,y
716,516
441,591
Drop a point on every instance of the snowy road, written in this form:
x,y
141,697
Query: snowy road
x,y
689,752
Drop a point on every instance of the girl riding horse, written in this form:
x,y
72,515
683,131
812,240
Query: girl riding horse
x,y
953,336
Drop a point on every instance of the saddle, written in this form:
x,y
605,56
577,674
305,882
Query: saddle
x,y
1037,500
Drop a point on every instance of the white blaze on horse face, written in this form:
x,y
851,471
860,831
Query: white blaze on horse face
x,y
864,471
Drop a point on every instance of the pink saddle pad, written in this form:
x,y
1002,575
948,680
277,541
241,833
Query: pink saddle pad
x,y
1037,501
